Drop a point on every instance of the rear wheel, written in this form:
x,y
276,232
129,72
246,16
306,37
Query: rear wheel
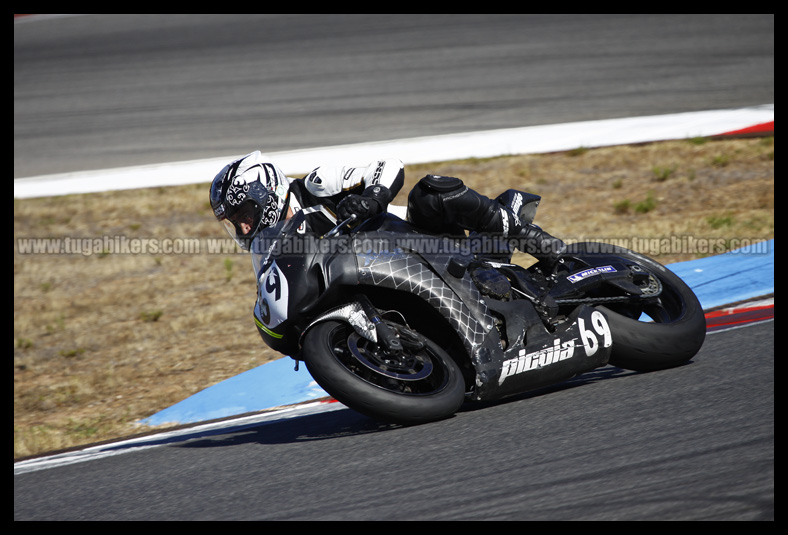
x,y
663,332
418,384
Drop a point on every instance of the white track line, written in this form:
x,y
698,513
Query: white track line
x,y
165,438
491,143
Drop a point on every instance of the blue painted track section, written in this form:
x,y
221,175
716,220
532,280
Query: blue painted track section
x,y
719,280
735,276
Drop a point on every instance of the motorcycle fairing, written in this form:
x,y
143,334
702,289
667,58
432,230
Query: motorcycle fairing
x,y
583,340
542,358
435,279
401,270
293,274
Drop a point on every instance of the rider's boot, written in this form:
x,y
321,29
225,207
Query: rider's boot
x,y
539,244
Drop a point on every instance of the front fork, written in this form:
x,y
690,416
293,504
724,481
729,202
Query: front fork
x,y
366,321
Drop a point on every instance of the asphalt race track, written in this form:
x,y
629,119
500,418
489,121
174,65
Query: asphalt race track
x,y
691,443
105,91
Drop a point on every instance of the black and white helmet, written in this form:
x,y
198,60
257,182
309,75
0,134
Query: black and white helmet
x,y
249,195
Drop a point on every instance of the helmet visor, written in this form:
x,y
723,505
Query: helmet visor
x,y
246,218
243,223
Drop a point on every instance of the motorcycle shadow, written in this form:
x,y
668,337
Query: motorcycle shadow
x,y
601,374
344,422
338,423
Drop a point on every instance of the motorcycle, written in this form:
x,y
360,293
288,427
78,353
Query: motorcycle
x,y
406,327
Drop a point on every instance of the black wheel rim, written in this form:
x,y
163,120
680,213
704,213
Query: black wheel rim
x,y
666,308
407,367
413,372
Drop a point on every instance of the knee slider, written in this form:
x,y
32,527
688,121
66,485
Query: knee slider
x,y
440,183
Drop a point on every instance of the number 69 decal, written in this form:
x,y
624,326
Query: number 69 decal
x,y
599,327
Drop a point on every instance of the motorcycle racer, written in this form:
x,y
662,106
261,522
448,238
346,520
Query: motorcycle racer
x,y
251,194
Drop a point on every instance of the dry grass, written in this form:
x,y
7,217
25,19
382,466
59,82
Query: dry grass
x,y
103,340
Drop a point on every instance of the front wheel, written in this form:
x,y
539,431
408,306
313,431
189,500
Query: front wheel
x,y
419,384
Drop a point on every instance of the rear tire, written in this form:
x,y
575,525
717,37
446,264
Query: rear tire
x,y
677,331
423,385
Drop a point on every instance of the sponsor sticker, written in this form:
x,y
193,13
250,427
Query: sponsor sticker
x,y
580,275
590,340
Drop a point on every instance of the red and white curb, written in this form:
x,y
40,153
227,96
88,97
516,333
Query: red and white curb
x,y
737,316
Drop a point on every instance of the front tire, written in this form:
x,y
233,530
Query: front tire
x,y
421,385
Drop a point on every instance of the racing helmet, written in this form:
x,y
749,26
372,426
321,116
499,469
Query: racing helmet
x,y
248,195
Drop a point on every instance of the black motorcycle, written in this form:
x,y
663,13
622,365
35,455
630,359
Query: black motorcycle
x,y
405,326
